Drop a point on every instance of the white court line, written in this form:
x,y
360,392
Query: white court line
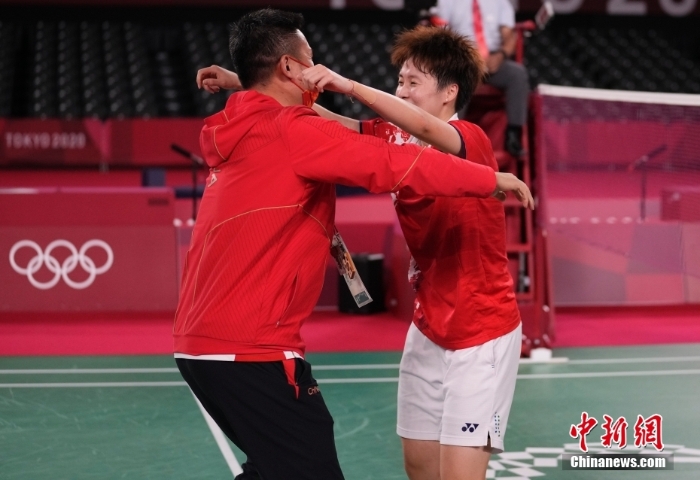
x,y
220,440
523,361
172,384
604,361
550,361
371,366
63,371
535,376
528,376
358,380
93,384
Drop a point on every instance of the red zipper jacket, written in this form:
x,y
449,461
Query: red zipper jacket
x,y
256,261
464,291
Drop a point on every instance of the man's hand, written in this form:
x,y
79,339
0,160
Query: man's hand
x,y
214,78
507,182
321,78
494,62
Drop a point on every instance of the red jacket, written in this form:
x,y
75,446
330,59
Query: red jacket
x,y
256,262
464,291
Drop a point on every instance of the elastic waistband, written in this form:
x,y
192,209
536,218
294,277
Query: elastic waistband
x,y
287,359
243,357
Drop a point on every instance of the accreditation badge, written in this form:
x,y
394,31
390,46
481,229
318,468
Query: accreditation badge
x,y
347,269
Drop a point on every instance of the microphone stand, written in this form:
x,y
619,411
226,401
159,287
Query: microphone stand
x,y
196,163
641,165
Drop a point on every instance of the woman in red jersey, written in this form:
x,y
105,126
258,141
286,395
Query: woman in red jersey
x,y
460,361
459,365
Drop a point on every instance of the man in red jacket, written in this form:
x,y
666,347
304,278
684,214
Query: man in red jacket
x,y
256,262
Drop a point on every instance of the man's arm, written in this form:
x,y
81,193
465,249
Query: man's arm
x,y
508,40
506,22
347,122
508,43
406,116
325,151
214,78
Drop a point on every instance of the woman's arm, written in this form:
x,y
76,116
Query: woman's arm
x,y
406,116
348,122
214,78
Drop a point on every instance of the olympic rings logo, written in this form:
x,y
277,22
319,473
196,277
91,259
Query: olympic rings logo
x,y
76,257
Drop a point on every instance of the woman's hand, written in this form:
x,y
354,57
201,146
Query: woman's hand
x,y
214,78
322,78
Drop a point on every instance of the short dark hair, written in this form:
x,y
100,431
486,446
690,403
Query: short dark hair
x,y
258,40
444,54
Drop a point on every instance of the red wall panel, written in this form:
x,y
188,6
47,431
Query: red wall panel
x,y
87,250
140,142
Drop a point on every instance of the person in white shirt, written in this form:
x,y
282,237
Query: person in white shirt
x,y
490,24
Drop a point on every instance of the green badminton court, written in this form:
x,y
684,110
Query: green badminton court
x,y
133,417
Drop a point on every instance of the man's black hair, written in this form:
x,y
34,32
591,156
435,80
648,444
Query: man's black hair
x,y
258,40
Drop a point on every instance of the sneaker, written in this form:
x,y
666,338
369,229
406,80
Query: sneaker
x,y
513,143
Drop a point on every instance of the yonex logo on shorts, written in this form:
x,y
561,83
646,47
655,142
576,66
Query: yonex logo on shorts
x,y
470,427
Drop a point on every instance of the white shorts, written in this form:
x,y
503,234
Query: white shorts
x,y
459,397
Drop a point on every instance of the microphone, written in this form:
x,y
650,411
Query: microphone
x,y
187,154
645,158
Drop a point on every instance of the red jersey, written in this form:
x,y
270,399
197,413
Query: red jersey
x,y
256,262
459,266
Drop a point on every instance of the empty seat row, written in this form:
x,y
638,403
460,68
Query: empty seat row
x,y
120,69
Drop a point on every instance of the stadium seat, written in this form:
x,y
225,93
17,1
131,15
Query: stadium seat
x,y
121,69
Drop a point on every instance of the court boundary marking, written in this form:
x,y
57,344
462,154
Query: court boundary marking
x,y
527,376
220,439
370,366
